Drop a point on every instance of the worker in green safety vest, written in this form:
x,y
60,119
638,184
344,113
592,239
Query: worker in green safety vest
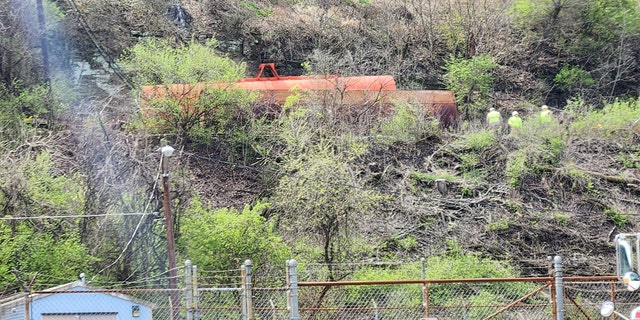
x,y
545,114
514,122
494,119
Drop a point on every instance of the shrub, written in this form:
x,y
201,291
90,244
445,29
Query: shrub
x,y
516,168
470,76
573,77
611,122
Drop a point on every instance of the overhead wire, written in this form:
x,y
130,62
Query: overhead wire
x,y
75,216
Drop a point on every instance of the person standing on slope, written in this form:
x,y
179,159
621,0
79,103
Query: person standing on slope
x,y
494,119
545,114
514,122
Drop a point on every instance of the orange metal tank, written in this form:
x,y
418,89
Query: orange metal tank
x,y
350,95
440,104
326,82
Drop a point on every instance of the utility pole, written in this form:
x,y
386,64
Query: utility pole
x,y
42,29
167,150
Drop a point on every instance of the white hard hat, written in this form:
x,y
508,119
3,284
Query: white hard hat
x,y
492,109
515,113
544,106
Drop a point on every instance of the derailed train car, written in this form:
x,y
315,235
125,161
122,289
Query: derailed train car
x,y
352,97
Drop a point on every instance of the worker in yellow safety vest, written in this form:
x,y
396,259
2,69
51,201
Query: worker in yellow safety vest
x,y
514,122
545,114
494,119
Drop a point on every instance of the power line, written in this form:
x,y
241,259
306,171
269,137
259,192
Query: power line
x,y
77,216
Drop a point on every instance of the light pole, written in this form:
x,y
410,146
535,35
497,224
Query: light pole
x,y
167,151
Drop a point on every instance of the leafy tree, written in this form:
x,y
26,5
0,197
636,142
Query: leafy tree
x,y
222,239
158,62
471,80
37,188
194,112
322,206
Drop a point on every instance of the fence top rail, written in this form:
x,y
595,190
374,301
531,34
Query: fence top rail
x,y
471,280
105,291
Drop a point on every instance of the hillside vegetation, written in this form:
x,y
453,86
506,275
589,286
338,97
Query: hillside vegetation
x,y
80,167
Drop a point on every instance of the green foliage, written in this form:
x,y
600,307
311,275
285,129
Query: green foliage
x,y
408,124
611,122
553,149
516,168
526,12
541,146
514,207
21,112
259,12
460,265
321,196
479,141
37,187
562,219
223,239
629,159
60,256
158,62
200,114
500,224
471,79
573,77
363,295
607,20
50,190
618,218
424,181
457,264
581,181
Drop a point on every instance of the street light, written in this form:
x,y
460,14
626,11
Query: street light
x,y
167,151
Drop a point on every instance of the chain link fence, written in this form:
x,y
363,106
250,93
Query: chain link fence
x,y
507,298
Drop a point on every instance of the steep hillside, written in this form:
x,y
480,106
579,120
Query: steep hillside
x,y
560,190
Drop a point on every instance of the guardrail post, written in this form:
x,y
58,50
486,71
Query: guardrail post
x,y
292,277
557,267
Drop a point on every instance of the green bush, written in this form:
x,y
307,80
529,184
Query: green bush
x,y
408,124
477,141
223,239
618,218
573,77
611,122
467,77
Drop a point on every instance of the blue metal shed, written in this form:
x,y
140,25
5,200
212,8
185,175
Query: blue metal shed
x,y
74,301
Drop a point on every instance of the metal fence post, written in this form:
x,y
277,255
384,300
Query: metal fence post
x,y
293,288
243,293
196,295
188,290
376,312
557,267
248,287
424,287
